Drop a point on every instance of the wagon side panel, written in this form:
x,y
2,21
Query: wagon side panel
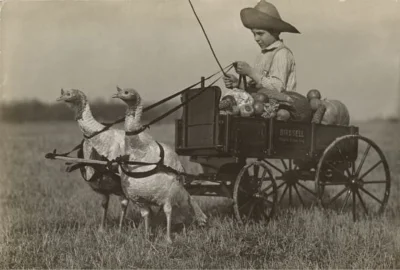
x,y
291,140
324,135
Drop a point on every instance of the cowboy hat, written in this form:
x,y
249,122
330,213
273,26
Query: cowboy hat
x,y
265,16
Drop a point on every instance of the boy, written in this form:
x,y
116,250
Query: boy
x,y
274,70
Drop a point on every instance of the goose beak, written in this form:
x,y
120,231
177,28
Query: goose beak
x,y
115,95
60,98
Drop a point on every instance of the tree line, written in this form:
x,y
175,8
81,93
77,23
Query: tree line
x,y
36,110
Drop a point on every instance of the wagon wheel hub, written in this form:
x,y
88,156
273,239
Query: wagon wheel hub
x,y
257,196
291,177
356,183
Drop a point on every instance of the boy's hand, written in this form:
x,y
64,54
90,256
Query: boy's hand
x,y
231,81
243,68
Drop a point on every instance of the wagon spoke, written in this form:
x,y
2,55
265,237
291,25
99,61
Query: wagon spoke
x,y
345,200
269,194
251,210
306,188
338,195
354,206
273,166
290,196
260,211
344,159
278,187
284,164
370,169
363,160
340,152
283,194
374,182
244,191
298,194
256,169
371,195
267,201
246,203
267,188
337,170
353,168
264,213
264,174
362,202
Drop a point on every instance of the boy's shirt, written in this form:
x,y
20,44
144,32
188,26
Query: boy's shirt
x,y
278,67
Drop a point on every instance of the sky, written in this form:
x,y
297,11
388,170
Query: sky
x,y
348,49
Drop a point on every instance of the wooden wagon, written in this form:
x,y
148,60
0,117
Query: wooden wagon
x,y
261,162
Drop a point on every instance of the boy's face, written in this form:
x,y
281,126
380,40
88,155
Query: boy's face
x,y
263,38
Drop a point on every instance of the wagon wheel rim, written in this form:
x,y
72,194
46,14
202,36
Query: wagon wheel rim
x,y
364,184
254,194
292,189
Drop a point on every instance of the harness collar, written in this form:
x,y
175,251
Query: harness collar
x,y
158,166
136,132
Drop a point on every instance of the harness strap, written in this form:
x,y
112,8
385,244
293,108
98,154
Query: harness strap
x,y
182,91
77,147
136,132
183,103
122,119
81,166
107,127
146,173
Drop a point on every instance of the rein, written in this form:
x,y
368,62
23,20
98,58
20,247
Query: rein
x,y
208,41
79,147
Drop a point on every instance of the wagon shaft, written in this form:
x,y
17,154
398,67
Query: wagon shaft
x,y
78,160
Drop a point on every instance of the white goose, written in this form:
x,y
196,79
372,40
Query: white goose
x,y
109,144
161,188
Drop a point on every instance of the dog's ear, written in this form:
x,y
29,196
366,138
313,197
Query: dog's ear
x,y
119,89
62,91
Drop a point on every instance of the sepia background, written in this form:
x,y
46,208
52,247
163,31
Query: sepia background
x,y
348,49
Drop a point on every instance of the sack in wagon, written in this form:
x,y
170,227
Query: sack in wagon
x,y
292,106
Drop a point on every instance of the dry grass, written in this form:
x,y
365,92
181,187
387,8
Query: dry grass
x,y
49,219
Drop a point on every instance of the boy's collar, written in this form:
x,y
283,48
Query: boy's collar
x,y
273,46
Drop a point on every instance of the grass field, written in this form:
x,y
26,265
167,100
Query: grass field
x,y
49,218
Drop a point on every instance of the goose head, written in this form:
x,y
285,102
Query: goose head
x,y
129,95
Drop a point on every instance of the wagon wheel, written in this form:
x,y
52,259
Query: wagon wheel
x,y
353,171
289,179
254,193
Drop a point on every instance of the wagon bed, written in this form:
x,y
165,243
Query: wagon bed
x,y
332,156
